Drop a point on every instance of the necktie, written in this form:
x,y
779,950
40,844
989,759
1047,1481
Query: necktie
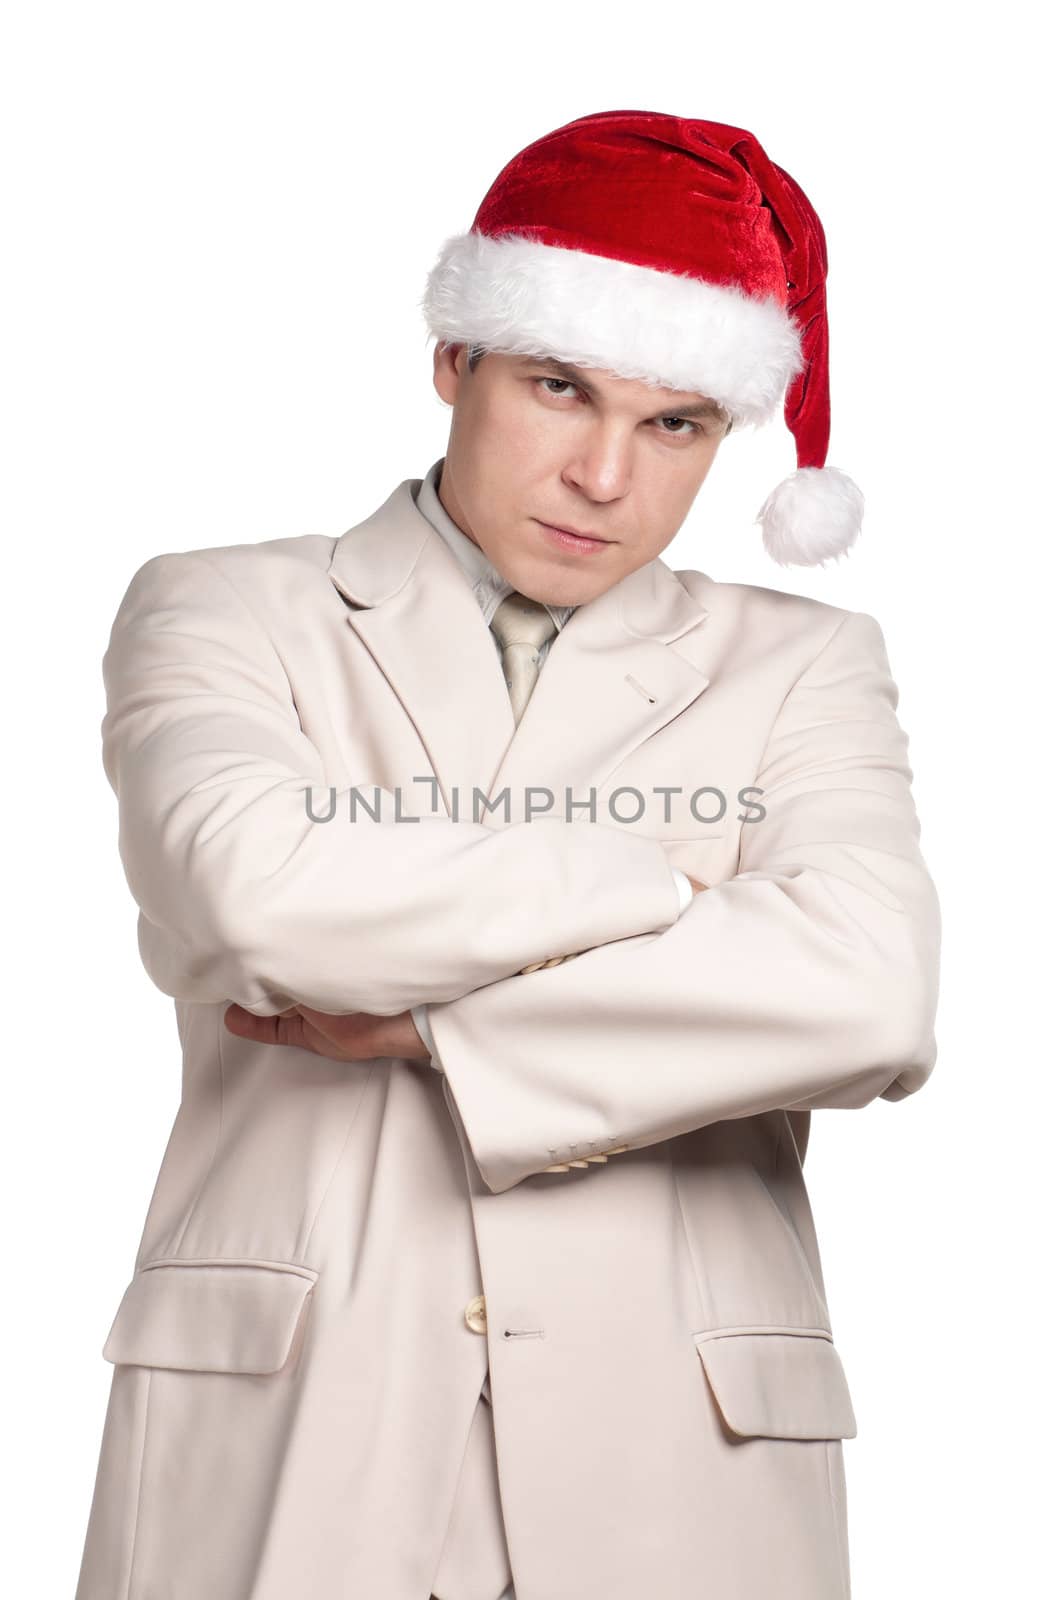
x,y
522,627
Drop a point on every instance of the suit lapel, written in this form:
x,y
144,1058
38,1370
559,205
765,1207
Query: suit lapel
x,y
612,676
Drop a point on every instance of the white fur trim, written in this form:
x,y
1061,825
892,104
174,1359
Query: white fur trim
x,y
516,295
812,517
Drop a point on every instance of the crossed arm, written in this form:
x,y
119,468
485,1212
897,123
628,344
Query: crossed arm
x,y
809,979
244,898
362,1036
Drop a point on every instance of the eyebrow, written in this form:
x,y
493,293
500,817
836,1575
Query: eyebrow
x,y
703,408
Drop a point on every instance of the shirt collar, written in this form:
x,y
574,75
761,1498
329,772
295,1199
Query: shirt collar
x,y
487,583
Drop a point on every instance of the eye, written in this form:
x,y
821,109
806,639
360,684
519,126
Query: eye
x,y
686,423
565,384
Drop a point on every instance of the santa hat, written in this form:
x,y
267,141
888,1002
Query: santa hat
x,y
675,252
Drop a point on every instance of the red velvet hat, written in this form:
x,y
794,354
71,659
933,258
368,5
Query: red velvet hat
x,y
675,252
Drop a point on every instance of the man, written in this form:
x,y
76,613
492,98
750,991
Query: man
x,y
520,898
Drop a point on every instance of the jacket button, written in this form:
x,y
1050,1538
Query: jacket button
x,y
476,1314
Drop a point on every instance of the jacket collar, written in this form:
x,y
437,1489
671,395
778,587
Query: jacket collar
x,y
612,677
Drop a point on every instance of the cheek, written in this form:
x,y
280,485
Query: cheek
x,y
534,438
658,515
506,436
667,494
489,497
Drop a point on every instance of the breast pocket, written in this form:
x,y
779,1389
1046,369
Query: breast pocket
x,y
709,857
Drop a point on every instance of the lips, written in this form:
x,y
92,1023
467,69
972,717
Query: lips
x,y
583,546
579,533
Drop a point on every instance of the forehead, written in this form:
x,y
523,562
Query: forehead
x,y
599,381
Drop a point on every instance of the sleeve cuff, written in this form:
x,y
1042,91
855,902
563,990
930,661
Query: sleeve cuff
x,y
685,888
421,1023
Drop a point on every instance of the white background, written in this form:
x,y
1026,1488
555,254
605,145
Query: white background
x,y
219,219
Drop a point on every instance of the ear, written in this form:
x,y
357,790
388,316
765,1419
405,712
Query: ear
x,y
447,366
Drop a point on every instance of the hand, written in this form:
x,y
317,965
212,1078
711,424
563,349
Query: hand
x,y
355,1036
552,961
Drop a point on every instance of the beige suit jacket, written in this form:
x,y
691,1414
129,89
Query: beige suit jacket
x,y
294,1369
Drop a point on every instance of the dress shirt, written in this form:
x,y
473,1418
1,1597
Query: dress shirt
x,y
490,589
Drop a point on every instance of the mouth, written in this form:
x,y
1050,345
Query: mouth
x,y
573,538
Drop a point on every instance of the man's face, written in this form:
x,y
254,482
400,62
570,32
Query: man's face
x,y
535,445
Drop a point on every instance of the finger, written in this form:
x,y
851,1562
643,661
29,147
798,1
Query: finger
x,y
322,1019
283,1029
350,1034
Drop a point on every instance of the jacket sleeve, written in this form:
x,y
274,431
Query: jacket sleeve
x,y
243,897
419,1013
807,980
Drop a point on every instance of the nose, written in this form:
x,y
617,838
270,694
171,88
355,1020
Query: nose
x,y
600,464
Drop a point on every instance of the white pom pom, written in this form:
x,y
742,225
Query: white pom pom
x,y
812,517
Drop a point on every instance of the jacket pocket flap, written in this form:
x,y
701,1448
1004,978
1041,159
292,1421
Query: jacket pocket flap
x,y
210,1316
779,1385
